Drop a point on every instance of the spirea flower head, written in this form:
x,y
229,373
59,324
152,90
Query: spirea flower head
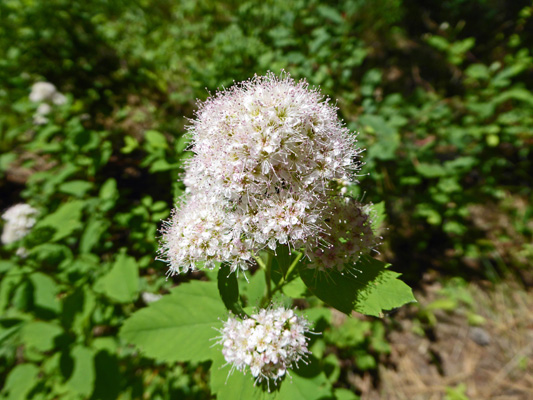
x,y
266,343
19,218
349,237
46,94
266,154
42,91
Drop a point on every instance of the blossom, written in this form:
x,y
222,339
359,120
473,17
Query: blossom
x,y
42,91
268,154
46,94
150,297
349,237
19,218
39,118
266,343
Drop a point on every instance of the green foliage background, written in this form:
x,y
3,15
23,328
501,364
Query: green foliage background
x,y
441,96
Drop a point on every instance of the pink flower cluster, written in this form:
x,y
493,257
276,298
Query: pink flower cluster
x,y
269,154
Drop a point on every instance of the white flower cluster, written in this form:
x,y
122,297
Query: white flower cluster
x,y
268,343
19,218
268,154
46,94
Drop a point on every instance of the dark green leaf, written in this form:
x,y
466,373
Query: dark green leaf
x,y
372,291
228,288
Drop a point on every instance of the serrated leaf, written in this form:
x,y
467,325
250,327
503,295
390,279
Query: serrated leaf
x,y
121,284
374,289
179,327
65,220
20,382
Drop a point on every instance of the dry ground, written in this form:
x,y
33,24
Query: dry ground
x,y
455,360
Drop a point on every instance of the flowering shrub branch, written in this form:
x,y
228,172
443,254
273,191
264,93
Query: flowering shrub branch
x,y
267,202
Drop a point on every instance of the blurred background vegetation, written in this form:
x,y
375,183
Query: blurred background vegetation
x,y
440,93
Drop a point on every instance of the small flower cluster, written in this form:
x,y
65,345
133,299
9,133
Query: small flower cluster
x,y
268,343
349,237
266,154
46,94
19,218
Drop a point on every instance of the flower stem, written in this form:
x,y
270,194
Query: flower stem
x,y
291,268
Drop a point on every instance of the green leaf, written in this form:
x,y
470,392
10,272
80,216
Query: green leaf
x,y
295,288
372,291
308,383
65,220
6,265
44,293
387,138
108,376
40,335
77,309
345,394
378,215
130,144
109,191
8,283
76,188
236,385
91,236
255,289
108,194
228,288
156,139
179,327
82,379
430,170
20,382
121,284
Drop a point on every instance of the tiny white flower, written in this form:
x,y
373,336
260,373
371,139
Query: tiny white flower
x,y
19,218
42,91
59,99
150,297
